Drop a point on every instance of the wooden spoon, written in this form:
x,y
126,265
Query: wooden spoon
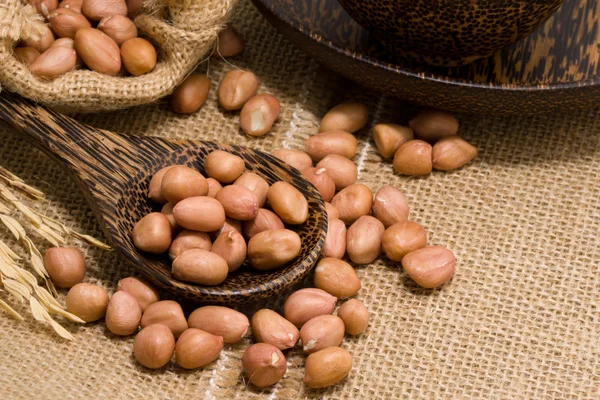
x,y
113,172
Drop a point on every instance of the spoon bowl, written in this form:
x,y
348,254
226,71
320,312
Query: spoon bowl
x,y
114,171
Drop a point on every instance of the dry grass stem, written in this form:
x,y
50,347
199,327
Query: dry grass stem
x,y
40,314
10,311
14,181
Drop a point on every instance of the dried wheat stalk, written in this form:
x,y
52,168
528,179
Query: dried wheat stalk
x,y
17,281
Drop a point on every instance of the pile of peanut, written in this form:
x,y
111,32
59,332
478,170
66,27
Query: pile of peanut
x,y
429,142
197,210
198,340
97,34
211,225
237,91
362,225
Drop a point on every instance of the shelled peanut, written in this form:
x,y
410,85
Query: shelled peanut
x,y
162,330
104,39
361,224
429,142
192,93
199,231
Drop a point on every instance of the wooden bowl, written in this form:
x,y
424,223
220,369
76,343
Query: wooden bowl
x,y
449,33
557,68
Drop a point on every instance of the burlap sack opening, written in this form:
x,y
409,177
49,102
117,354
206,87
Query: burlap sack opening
x,y
184,32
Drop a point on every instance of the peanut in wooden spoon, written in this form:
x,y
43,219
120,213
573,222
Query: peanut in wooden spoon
x,y
114,171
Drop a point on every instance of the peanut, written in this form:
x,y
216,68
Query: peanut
x,y
223,166
259,114
44,7
332,211
191,94
123,314
307,303
402,238
432,125
327,367
255,184
196,348
154,187
138,56
213,187
232,325
265,220
322,332
134,6
430,267
200,266
168,313
98,51
119,28
230,42
187,240
270,327
342,171
388,137
152,233
349,117
180,182
54,62
319,178
355,316
273,248
232,247
201,213
74,5
413,158
167,209
297,159
87,301
353,202
153,347
335,241
452,152
337,278
26,55
288,203
264,364
98,9
333,142
236,88
390,205
142,290
43,41
363,239
65,265
66,22
238,202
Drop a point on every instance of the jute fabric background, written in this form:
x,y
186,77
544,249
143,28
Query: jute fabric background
x,y
520,319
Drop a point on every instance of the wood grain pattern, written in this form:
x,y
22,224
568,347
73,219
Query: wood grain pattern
x,y
114,171
449,33
557,67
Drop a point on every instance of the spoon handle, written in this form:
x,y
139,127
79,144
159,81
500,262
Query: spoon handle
x,y
101,160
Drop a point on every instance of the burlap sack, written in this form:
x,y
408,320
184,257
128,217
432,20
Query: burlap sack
x,y
184,31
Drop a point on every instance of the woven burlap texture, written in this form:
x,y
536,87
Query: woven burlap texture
x,y
519,320
183,39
